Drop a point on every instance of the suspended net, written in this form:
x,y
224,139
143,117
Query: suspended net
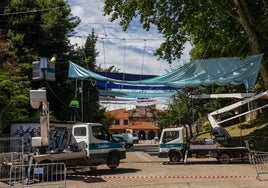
x,y
220,71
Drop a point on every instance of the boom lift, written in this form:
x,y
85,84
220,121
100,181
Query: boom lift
x,y
90,143
220,134
173,145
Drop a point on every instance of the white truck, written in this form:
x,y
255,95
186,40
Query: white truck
x,y
90,143
131,135
173,144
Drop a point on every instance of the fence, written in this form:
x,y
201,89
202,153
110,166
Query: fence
x,y
11,144
11,152
260,160
47,175
17,171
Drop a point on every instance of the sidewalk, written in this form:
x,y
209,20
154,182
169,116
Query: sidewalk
x,y
146,142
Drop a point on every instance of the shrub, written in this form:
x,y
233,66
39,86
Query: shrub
x,y
206,126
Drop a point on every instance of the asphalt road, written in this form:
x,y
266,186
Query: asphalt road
x,y
141,169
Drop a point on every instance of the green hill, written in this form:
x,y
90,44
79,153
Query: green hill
x,y
255,131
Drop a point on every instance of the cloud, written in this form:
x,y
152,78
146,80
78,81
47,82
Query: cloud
x,y
131,51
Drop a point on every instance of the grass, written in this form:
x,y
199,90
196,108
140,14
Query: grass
x,y
256,132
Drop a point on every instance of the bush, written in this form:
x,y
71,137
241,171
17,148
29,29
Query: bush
x,y
245,125
206,126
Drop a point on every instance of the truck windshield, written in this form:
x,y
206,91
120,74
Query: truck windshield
x,y
101,133
170,135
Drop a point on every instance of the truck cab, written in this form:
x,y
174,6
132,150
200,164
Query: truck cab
x,y
171,144
101,149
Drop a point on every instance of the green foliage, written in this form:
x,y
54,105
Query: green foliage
x,y
30,29
106,118
258,139
14,94
214,28
206,126
42,25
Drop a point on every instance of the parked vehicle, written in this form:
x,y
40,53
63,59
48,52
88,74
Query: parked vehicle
x,y
91,145
88,143
135,138
175,145
122,140
131,136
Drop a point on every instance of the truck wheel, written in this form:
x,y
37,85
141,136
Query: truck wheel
x,y
174,157
113,161
224,158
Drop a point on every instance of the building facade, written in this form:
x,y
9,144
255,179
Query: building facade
x,y
142,120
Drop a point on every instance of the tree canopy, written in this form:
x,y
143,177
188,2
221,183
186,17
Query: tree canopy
x,y
33,29
215,28
29,30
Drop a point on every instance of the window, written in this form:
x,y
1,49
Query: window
x,y
170,135
125,122
101,133
117,122
80,131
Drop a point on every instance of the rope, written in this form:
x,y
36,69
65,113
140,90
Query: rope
x,y
243,47
143,58
104,60
124,62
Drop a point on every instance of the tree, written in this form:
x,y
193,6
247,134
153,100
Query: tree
x,y
85,56
215,28
44,25
14,91
30,29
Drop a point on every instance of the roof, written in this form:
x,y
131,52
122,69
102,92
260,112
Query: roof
x,y
144,126
136,126
120,113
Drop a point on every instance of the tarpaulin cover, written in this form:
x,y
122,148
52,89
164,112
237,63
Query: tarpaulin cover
x,y
125,76
131,94
221,71
106,85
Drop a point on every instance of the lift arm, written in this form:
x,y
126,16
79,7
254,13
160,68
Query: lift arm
x,y
38,97
221,135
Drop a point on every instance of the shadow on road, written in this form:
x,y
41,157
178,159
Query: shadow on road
x,y
95,175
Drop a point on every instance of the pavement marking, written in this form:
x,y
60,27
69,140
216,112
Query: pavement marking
x,y
143,157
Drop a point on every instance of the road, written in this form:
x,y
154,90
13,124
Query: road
x,y
141,169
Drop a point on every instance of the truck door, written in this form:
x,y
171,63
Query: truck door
x,y
171,141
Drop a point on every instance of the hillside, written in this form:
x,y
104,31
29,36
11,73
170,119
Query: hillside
x,y
256,132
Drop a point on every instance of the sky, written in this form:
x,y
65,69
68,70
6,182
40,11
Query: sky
x,y
129,52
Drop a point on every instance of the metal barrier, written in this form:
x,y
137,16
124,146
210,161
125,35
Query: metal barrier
x,y
37,175
260,160
11,144
11,152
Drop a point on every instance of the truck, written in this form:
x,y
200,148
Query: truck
x,y
86,144
123,140
175,145
91,144
131,135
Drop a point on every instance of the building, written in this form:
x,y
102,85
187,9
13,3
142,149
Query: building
x,y
142,120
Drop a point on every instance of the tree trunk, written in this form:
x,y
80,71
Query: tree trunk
x,y
247,21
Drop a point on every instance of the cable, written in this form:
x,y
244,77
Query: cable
x,y
31,11
66,105
143,58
